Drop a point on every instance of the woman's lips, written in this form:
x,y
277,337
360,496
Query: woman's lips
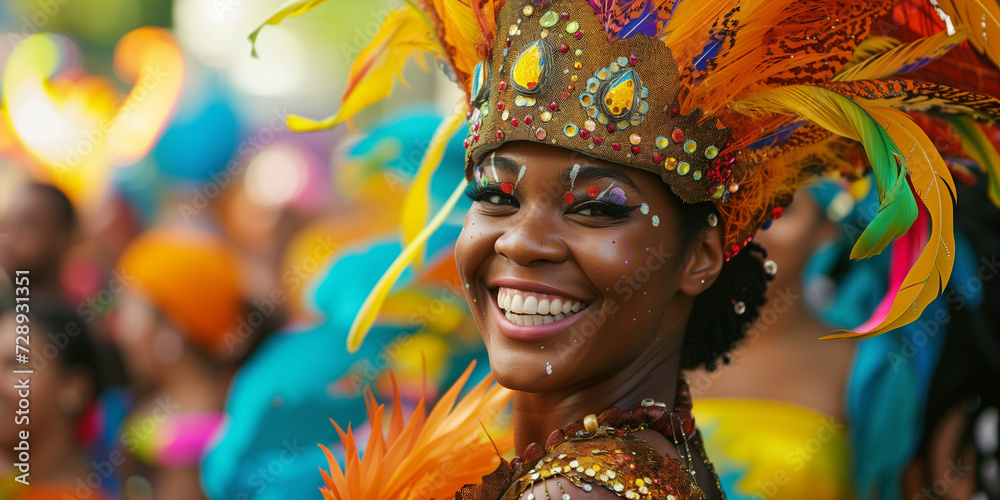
x,y
529,315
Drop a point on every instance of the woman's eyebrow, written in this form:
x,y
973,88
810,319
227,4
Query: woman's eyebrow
x,y
501,163
596,173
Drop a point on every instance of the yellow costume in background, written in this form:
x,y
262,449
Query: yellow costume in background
x,y
777,450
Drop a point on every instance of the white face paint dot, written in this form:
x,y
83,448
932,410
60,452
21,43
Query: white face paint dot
x,y
644,208
548,368
656,220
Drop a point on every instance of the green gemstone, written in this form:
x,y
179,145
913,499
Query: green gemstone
x,y
549,19
711,152
696,175
572,27
662,142
690,146
683,168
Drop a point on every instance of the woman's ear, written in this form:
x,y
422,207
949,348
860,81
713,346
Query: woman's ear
x,y
704,261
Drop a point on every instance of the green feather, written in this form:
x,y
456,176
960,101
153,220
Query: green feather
x,y
978,147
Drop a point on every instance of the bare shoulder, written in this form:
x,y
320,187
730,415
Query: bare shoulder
x,y
560,488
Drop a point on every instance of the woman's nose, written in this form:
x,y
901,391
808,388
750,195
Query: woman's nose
x,y
530,239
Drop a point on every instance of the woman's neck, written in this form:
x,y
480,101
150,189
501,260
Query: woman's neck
x,y
536,415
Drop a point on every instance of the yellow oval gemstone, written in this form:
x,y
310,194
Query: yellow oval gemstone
x,y
529,66
621,94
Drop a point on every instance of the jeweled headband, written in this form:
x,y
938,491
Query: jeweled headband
x,y
555,78
802,87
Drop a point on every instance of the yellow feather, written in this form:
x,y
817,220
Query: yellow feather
x,y
291,8
369,310
892,61
982,17
417,202
406,32
934,186
870,46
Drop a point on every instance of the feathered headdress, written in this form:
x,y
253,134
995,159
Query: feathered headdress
x,y
734,102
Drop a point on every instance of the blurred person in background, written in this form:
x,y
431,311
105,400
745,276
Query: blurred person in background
x,y
825,408
62,390
38,229
958,455
182,304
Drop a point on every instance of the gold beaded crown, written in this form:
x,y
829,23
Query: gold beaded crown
x,y
555,78
802,87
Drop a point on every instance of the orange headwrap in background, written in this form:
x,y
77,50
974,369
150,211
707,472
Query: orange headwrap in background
x,y
191,278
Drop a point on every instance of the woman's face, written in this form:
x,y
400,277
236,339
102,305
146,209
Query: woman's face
x,y
573,267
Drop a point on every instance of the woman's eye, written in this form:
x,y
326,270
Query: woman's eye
x,y
591,211
495,199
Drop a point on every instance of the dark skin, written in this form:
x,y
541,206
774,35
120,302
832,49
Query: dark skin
x,y
624,344
37,237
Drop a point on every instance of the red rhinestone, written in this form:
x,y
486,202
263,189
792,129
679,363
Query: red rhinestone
x,y
508,42
527,120
553,105
514,122
563,48
579,35
503,85
635,149
633,60
565,95
465,143
501,105
674,112
475,138
569,198
585,134
500,135
778,211
598,140
507,187
735,250
677,136
657,158
616,146
611,127
593,191
476,127
564,16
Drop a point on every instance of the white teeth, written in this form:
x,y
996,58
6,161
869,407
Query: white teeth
x,y
555,306
529,309
543,306
517,304
530,305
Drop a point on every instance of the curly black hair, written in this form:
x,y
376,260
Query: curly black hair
x,y
717,324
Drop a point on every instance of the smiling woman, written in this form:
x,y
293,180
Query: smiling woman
x,y
622,156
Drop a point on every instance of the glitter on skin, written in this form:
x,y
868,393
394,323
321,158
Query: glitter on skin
x,y
656,220
644,208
